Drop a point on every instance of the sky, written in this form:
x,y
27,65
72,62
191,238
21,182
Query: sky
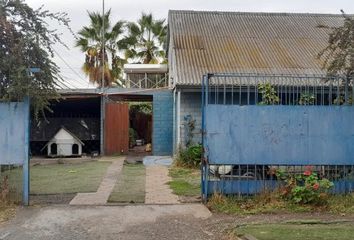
x,y
70,60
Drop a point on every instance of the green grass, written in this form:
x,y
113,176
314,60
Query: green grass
x,y
63,178
271,203
320,231
130,186
185,181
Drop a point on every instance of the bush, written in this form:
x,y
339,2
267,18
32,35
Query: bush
x,y
304,188
190,156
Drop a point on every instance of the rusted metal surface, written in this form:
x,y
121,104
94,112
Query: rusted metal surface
x,y
234,42
116,128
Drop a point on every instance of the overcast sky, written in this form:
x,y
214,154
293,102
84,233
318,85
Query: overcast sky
x,y
131,9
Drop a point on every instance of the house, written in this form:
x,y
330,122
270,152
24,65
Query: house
x,y
201,42
64,144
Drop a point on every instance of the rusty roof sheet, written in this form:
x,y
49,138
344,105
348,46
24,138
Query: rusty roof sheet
x,y
236,42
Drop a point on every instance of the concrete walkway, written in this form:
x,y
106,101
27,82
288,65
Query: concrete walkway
x,y
110,223
101,196
157,190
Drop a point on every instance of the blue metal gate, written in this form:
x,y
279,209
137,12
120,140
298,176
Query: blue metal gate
x,y
14,149
254,125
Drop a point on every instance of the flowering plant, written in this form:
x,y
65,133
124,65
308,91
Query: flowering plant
x,y
305,187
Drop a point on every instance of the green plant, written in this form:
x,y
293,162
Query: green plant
x,y
304,188
141,107
340,100
190,156
307,99
132,137
269,95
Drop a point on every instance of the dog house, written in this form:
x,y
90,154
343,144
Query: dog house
x,y
64,144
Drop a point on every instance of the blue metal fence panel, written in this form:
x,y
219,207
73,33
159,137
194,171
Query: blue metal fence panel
x,y
294,135
13,132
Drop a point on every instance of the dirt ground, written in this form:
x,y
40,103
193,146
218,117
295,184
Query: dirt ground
x,y
184,221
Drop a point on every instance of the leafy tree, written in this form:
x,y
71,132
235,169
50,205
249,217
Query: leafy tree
x,y
146,39
338,56
26,42
90,42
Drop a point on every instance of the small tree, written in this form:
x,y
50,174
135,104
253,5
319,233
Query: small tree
x,y
26,42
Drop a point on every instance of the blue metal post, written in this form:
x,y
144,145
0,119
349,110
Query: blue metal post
x,y
26,167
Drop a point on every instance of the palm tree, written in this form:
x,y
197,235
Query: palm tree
x,y
90,42
146,39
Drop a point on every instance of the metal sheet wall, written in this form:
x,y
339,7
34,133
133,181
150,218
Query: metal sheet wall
x,y
296,135
13,126
116,128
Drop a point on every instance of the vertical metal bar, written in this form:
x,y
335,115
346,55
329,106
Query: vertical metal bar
x,y
346,91
240,94
224,91
330,92
26,166
239,180
338,92
248,93
232,93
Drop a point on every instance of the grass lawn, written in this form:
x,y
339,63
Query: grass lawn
x,y
64,178
319,231
130,186
185,181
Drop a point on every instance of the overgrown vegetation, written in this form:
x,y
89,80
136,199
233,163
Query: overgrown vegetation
x,y
26,53
272,202
268,93
185,181
190,156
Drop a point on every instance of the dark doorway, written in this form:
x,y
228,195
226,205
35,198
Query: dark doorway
x,y
53,149
75,149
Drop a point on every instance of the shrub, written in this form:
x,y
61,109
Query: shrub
x,y
190,156
307,99
304,188
269,95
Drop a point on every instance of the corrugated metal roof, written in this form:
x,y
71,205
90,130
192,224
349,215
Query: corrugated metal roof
x,y
236,42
